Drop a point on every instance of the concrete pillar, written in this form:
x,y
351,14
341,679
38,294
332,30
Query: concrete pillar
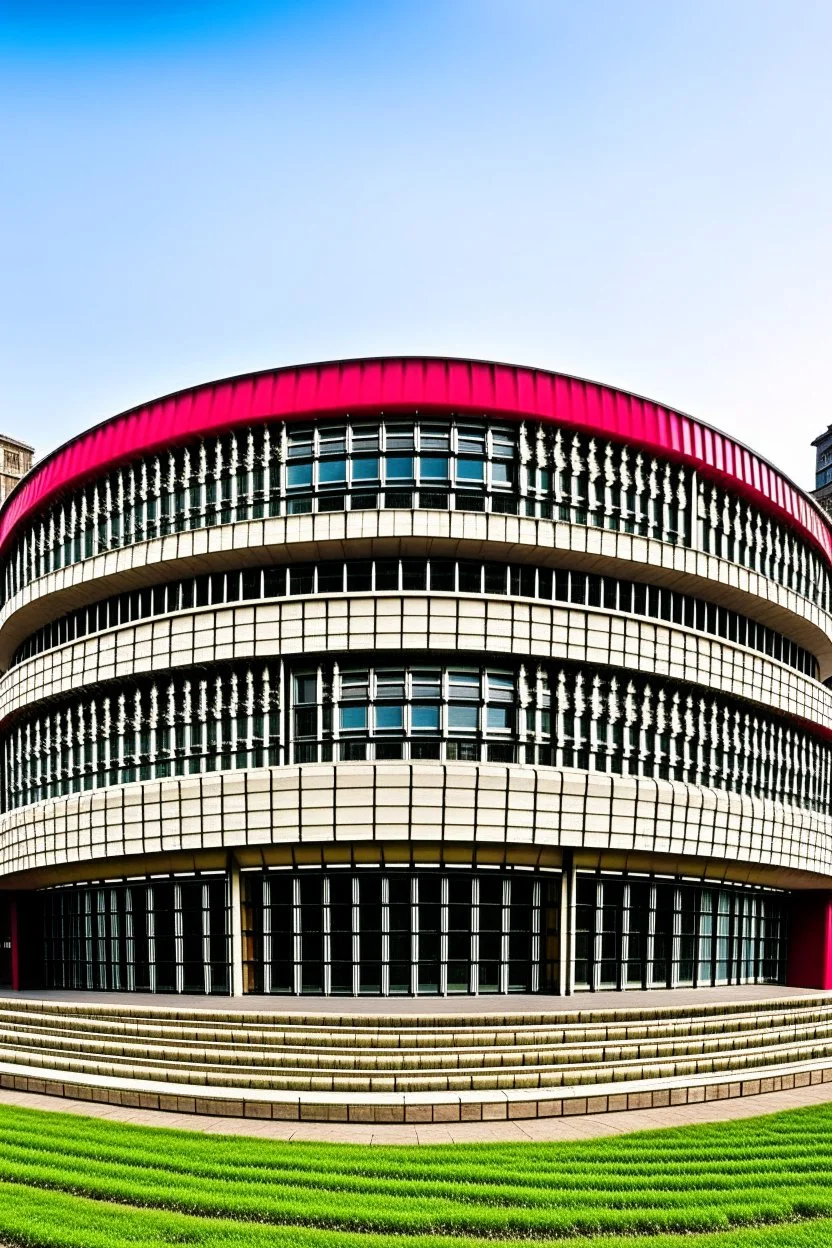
x,y
567,924
236,929
14,937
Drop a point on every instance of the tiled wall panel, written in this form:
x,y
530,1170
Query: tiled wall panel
x,y
412,623
441,803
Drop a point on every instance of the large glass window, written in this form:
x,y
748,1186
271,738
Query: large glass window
x,y
399,464
390,713
641,932
393,932
160,935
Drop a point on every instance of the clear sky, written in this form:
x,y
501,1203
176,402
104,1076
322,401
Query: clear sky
x,y
637,192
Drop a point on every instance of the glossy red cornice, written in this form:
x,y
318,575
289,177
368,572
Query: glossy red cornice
x,y
407,384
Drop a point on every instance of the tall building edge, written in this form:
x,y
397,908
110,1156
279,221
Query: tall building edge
x,y
413,676
15,461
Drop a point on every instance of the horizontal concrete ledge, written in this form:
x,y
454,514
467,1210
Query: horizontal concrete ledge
x,y
416,1107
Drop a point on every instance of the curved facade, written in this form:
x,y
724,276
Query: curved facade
x,y
413,676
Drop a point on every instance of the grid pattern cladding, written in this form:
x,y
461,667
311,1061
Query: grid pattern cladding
x,y
361,576
405,692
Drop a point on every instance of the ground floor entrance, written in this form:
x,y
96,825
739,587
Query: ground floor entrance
x,y
421,932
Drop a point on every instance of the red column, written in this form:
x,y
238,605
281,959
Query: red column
x,y
14,934
810,941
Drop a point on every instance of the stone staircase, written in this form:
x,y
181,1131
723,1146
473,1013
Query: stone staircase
x,y
427,1067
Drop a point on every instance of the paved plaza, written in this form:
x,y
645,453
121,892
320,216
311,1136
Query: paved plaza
x,y
584,1127
428,1006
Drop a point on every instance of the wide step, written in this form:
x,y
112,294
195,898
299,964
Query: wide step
x,y
244,1057
325,1065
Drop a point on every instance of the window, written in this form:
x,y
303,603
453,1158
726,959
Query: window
x,y
353,684
298,476
159,935
433,468
399,468
306,689
388,932
471,440
365,469
353,718
426,684
640,932
306,722
499,718
333,441
332,471
500,687
399,437
364,437
389,718
470,470
299,444
464,685
435,437
463,718
503,444
302,580
390,684
425,718
398,713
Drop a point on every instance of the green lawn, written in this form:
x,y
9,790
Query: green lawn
x,y
94,1184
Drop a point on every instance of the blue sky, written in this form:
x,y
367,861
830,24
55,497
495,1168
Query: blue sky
x,y
635,192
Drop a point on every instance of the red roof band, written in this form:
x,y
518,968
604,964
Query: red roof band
x,y
404,384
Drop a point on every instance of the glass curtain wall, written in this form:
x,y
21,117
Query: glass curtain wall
x,y
157,935
409,932
636,932
387,933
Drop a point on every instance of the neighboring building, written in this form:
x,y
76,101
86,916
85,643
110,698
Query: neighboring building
x,y
822,492
15,462
414,676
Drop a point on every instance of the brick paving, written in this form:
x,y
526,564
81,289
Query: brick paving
x,y
542,1129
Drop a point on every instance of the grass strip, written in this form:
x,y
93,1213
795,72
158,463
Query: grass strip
x,y
711,1180
54,1220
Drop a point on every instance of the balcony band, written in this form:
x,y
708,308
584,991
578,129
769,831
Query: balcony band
x,y
231,716
533,469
